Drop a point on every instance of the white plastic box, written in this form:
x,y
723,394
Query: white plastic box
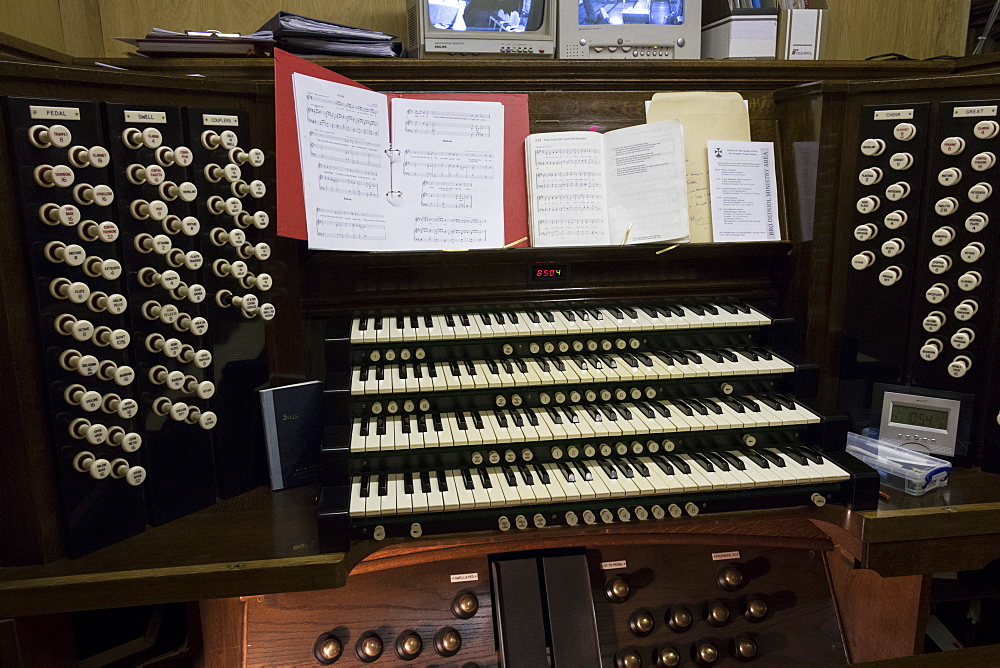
x,y
912,472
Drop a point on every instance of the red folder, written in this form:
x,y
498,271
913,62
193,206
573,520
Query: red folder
x,y
291,219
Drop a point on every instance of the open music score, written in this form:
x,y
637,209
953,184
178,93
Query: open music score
x,y
368,179
626,186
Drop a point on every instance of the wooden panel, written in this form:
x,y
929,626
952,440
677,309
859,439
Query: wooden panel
x,y
223,626
882,618
918,29
126,18
45,640
81,27
25,20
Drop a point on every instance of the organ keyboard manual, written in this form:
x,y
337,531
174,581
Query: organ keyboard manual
x,y
532,415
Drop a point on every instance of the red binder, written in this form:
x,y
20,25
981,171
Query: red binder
x,y
291,218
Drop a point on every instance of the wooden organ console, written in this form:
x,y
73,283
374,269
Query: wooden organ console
x,y
625,467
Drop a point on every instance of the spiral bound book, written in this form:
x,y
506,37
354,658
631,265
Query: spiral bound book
x,y
383,173
293,429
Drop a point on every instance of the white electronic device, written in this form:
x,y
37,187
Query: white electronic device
x,y
630,30
484,28
924,420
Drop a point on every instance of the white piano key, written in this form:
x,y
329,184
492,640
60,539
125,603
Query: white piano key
x,y
357,505
448,498
802,474
496,492
467,499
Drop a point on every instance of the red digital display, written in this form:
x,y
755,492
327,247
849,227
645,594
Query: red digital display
x,y
549,273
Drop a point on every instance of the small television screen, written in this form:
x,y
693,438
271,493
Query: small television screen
x,y
487,15
631,12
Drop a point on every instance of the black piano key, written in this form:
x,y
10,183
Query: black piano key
x,y
675,309
579,362
716,460
698,310
470,367
453,365
630,359
521,364
640,467
383,484
748,402
610,361
712,355
421,423
679,463
625,468
646,410
584,472
442,481
407,482
748,354
609,469
582,314
428,321
571,415
543,363
507,366
526,474
548,317
542,473
534,317
449,320
734,404
624,412
766,354
594,413
477,419
532,418
501,418
380,373
567,471
595,361
812,454
784,400
728,308
772,457
464,319
418,371
378,324
596,314
485,318
498,316
436,419
796,456
569,315
365,424
756,458
664,465
701,461
648,310
403,373
380,426
492,366
616,312
692,355
729,357
516,417
734,461
432,370
743,308
646,360
365,483
508,473
710,309
467,477
513,317
484,477
630,312
711,405
554,414
425,482
363,375
363,324
663,410
460,419
769,402
405,424
559,364
696,406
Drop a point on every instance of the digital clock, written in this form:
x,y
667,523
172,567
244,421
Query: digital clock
x,y
549,273
924,420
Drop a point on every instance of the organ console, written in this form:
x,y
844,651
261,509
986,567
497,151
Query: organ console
x,y
530,457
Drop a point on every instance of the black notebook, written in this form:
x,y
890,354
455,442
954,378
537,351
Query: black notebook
x,y
293,427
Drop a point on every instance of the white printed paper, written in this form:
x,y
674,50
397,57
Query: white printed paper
x,y
435,182
743,190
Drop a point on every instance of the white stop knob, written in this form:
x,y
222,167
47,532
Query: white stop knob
x,y
959,366
863,260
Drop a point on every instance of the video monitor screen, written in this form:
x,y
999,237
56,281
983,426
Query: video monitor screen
x,y
632,12
487,15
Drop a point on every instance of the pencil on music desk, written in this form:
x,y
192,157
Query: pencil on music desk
x,y
628,230
514,243
664,250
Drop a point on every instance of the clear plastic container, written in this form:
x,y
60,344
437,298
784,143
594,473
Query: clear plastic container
x,y
913,472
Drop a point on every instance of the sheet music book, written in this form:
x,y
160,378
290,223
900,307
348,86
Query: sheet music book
x,y
382,173
625,186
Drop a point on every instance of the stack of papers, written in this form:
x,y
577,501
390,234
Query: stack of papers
x,y
303,35
198,43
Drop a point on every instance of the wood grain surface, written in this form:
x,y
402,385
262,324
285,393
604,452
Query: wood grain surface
x,y
801,626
